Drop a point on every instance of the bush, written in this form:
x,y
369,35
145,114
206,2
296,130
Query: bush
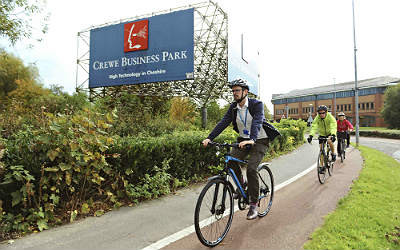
x,y
51,170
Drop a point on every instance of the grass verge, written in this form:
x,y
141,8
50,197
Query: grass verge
x,y
369,216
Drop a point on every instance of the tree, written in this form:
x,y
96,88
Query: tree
x,y
391,107
267,114
16,18
12,69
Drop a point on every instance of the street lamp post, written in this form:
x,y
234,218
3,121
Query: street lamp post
x,y
355,79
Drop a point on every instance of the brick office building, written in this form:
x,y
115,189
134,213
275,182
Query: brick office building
x,y
300,104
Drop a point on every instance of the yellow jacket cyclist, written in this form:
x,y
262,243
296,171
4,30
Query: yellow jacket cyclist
x,y
325,125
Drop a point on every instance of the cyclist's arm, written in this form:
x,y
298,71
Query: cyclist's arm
x,y
333,127
350,126
257,122
314,126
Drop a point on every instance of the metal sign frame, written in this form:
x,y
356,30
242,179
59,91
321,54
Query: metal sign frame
x,y
210,60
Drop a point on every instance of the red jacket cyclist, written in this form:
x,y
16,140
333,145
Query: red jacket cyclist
x,y
343,128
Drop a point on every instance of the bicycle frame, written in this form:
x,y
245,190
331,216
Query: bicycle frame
x,y
224,174
230,172
324,141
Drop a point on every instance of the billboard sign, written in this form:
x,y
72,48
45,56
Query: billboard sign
x,y
242,65
158,48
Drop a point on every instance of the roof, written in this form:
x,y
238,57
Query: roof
x,y
383,81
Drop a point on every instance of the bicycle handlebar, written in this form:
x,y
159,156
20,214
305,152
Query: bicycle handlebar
x,y
227,145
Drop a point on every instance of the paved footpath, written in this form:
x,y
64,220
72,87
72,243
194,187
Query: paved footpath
x,y
298,210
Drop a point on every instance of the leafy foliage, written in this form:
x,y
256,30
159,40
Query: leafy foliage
x,y
12,69
52,169
182,110
391,107
16,17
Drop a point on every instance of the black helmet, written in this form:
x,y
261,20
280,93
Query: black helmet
x,y
322,107
239,82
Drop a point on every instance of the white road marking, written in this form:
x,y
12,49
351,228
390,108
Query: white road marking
x,y
189,230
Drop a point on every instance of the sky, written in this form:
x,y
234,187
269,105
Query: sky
x,y
301,44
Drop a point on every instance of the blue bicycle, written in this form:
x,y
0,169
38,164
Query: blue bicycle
x,y
215,207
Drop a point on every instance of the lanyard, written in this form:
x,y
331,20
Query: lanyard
x,y
245,118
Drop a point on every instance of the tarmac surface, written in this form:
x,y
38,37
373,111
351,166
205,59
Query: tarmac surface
x,y
298,209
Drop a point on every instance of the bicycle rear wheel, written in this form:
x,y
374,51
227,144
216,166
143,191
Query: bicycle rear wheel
x,y
321,168
342,150
214,212
266,183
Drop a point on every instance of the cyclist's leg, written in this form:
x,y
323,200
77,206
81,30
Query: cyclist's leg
x,y
331,145
257,153
321,159
348,138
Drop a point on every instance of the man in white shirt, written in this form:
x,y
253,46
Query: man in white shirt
x,y
247,117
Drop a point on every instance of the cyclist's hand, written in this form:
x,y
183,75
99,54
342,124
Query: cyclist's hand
x,y
244,143
309,139
333,138
205,142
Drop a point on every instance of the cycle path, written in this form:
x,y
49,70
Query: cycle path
x,y
298,209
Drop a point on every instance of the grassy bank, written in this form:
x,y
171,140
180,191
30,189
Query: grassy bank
x,y
369,216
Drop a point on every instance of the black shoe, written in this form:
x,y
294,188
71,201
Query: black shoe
x,y
321,170
252,214
333,157
347,146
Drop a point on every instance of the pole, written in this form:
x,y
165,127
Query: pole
x,y
355,79
204,116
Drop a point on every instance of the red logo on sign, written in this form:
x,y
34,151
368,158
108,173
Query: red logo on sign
x,y
136,35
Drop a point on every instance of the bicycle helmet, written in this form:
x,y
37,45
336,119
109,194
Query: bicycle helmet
x,y
239,82
341,114
322,107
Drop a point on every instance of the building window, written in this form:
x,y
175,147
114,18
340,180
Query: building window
x,y
363,106
345,107
337,107
349,107
367,105
372,105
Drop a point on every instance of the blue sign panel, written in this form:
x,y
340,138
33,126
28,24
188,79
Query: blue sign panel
x,y
158,48
237,68
243,59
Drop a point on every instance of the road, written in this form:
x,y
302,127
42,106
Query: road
x,y
389,146
154,221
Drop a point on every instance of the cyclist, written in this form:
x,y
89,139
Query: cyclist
x,y
344,127
247,117
325,125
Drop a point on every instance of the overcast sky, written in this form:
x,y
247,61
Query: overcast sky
x,y
302,44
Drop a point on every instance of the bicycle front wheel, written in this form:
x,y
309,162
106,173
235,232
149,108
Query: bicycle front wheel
x,y
321,168
266,182
214,212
